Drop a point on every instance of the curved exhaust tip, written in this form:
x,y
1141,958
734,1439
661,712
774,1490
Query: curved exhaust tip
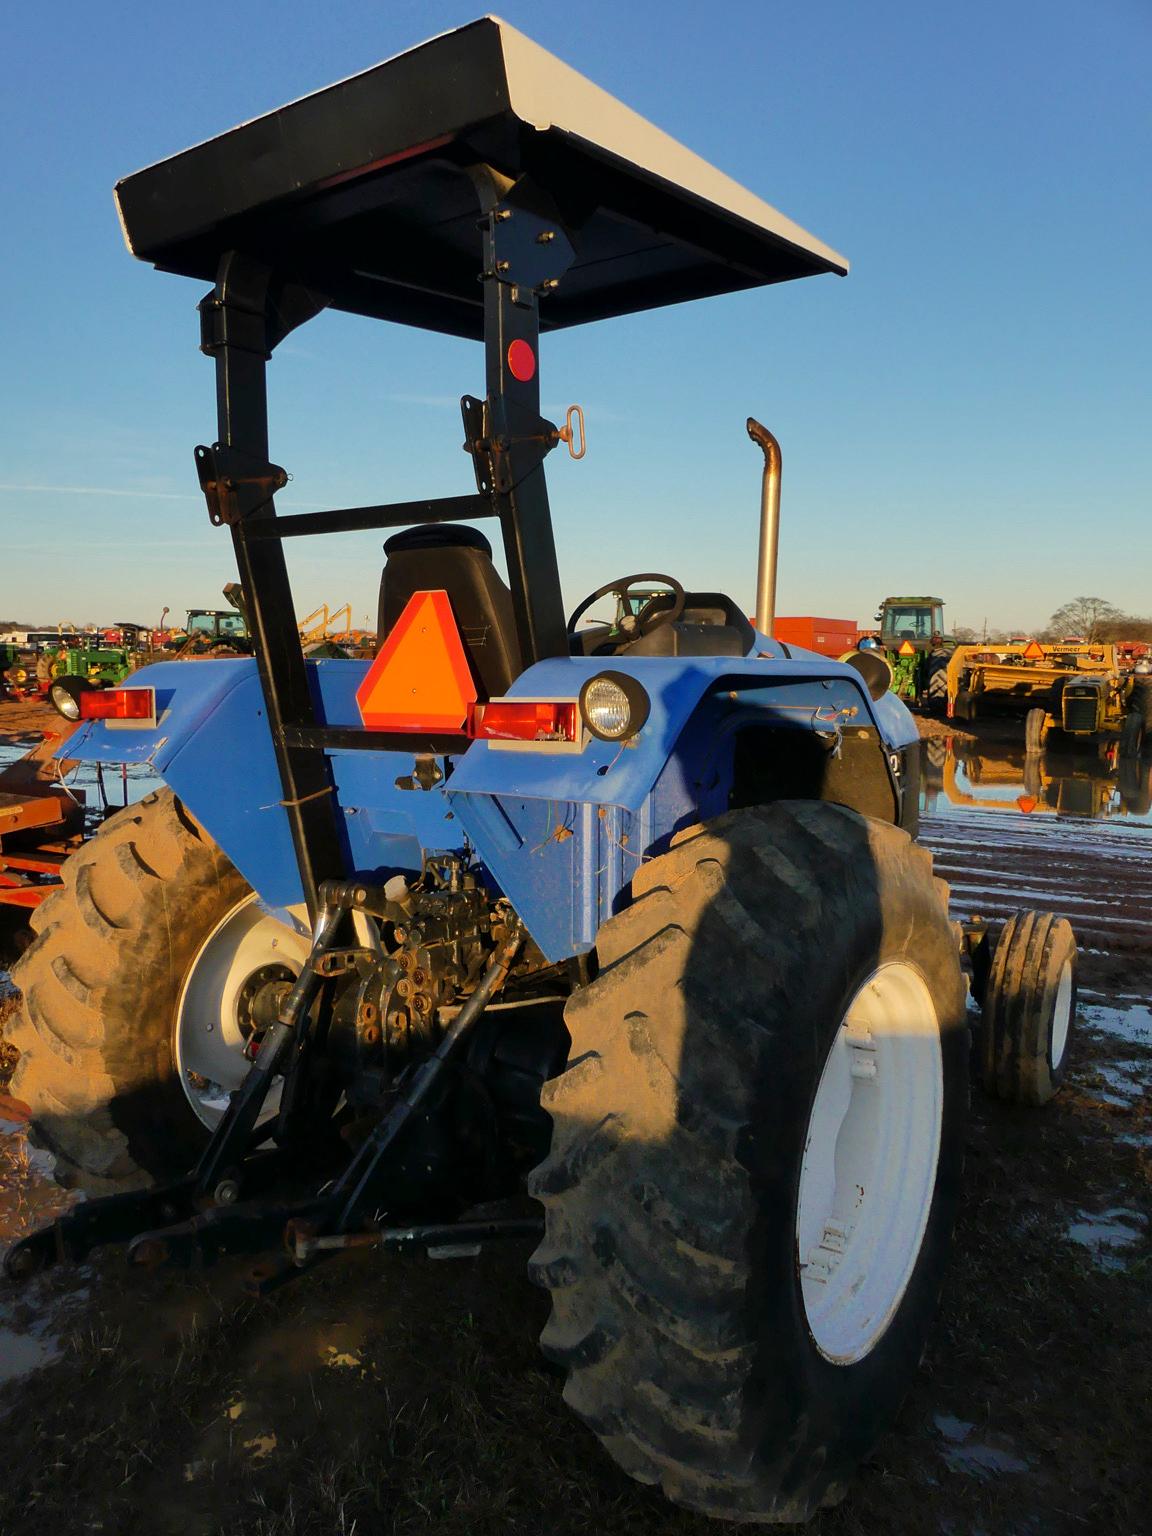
x,y
769,526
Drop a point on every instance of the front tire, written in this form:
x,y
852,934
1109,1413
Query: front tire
x,y
1035,730
1028,1009
126,949
710,1133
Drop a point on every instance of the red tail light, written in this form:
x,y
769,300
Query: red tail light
x,y
119,704
526,720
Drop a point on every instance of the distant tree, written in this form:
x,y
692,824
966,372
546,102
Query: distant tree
x,y
1084,616
964,635
1127,627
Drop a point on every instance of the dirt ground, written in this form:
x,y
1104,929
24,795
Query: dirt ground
x,y
932,728
26,720
403,1395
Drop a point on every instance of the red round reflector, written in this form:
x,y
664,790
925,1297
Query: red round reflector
x,y
521,361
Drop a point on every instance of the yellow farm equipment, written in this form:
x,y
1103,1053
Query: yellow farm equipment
x,y
1077,689
325,624
330,632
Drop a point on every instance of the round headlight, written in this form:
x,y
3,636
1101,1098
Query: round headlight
x,y
614,706
66,703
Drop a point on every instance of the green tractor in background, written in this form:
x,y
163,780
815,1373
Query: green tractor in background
x,y
84,662
10,657
215,631
912,637
210,632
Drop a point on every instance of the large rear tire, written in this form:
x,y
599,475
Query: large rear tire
x,y
1136,731
126,950
756,1158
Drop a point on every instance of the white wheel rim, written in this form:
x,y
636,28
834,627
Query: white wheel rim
x,y
870,1158
209,1041
1061,1016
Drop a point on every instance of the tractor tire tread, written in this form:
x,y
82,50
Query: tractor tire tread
x,y
113,903
1013,1044
647,1203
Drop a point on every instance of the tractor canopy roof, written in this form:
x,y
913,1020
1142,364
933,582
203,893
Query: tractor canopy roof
x,y
362,191
925,601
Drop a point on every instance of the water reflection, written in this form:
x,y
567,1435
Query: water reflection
x,y
102,786
960,776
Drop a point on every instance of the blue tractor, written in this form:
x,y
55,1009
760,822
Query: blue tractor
x,y
615,936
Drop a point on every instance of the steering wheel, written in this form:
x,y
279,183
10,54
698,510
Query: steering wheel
x,y
651,616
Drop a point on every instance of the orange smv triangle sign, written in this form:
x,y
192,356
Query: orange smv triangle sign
x,y
907,649
1033,651
421,680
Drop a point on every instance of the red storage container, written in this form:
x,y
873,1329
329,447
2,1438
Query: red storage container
x,y
830,637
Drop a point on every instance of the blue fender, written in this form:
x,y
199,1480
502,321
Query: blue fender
x,y
212,746
562,835
559,833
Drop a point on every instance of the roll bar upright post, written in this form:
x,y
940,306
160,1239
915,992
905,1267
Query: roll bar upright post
x,y
526,251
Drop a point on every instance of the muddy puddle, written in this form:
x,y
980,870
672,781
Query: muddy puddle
x,y
1095,784
101,785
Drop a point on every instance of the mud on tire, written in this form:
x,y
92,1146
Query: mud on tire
x,y
671,1188
99,988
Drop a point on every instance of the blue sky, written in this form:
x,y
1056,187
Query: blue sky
x,y
967,413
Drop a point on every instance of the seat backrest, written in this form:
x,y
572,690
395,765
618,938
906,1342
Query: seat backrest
x,y
453,558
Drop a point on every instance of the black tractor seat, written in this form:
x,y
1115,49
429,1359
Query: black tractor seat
x,y
457,559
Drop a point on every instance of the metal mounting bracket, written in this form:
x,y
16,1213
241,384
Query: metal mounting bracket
x,y
234,484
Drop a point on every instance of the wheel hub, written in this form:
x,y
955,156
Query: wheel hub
x,y
232,992
260,999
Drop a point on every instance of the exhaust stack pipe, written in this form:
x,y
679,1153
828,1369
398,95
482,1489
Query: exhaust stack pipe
x,y
769,527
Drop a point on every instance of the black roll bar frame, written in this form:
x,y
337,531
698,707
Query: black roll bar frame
x,y
526,251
